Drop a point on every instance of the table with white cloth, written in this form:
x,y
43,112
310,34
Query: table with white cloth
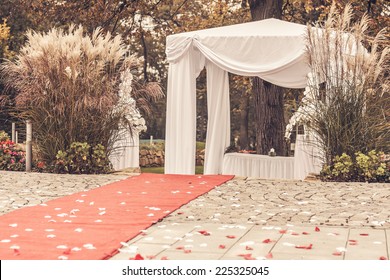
x,y
261,166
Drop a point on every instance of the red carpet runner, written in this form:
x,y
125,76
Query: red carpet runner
x,y
91,225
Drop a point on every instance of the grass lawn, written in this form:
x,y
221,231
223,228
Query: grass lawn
x,y
160,170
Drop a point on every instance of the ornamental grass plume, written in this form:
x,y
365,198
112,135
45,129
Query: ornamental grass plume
x,y
347,101
67,84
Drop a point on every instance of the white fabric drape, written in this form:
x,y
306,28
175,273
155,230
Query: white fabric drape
x,y
271,49
180,138
126,151
218,125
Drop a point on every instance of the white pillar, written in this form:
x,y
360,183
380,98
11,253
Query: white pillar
x,y
180,136
13,132
218,124
28,145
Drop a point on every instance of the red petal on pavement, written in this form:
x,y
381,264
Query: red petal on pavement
x,y
187,251
67,251
267,240
305,233
150,257
204,232
317,229
180,213
269,256
304,247
164,258
247,256
337,254
137,257
222,246
383,258
249,248
352,240
364,234
231,236
282,231
16,252
294,233
180,248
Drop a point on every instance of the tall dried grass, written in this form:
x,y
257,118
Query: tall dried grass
x,y
348,101
67,85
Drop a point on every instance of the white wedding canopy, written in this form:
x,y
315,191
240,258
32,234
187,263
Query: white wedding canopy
x,y
272,49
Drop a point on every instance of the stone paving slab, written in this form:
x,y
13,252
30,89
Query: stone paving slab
x,y
362,245
238,242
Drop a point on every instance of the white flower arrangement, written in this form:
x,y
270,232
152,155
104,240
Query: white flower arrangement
x,y
128,103
307,109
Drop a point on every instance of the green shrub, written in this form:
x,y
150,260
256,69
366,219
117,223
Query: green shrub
x,y
81,158
370,167
11,158
342,167
3,136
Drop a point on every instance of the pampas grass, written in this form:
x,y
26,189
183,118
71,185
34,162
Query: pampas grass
x,y
348,101
67,85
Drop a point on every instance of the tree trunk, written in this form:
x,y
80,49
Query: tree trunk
x,y
269,104
262,9
269,116
244,118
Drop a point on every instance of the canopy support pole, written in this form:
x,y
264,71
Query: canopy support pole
x,y
218,125
180,138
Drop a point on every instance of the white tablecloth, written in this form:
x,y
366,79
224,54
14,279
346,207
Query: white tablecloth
x,y
261,166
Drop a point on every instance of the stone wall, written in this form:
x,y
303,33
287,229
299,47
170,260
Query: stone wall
x,y
155,158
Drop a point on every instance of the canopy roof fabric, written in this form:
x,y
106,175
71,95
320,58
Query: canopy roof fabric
x,y
271,49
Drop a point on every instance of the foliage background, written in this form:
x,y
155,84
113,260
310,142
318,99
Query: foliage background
x,y
144,25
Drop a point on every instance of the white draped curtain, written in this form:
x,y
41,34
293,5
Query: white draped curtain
x,y
271,49
218,124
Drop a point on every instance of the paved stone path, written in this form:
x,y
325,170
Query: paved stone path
x,y
19,189
266,202
246,218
